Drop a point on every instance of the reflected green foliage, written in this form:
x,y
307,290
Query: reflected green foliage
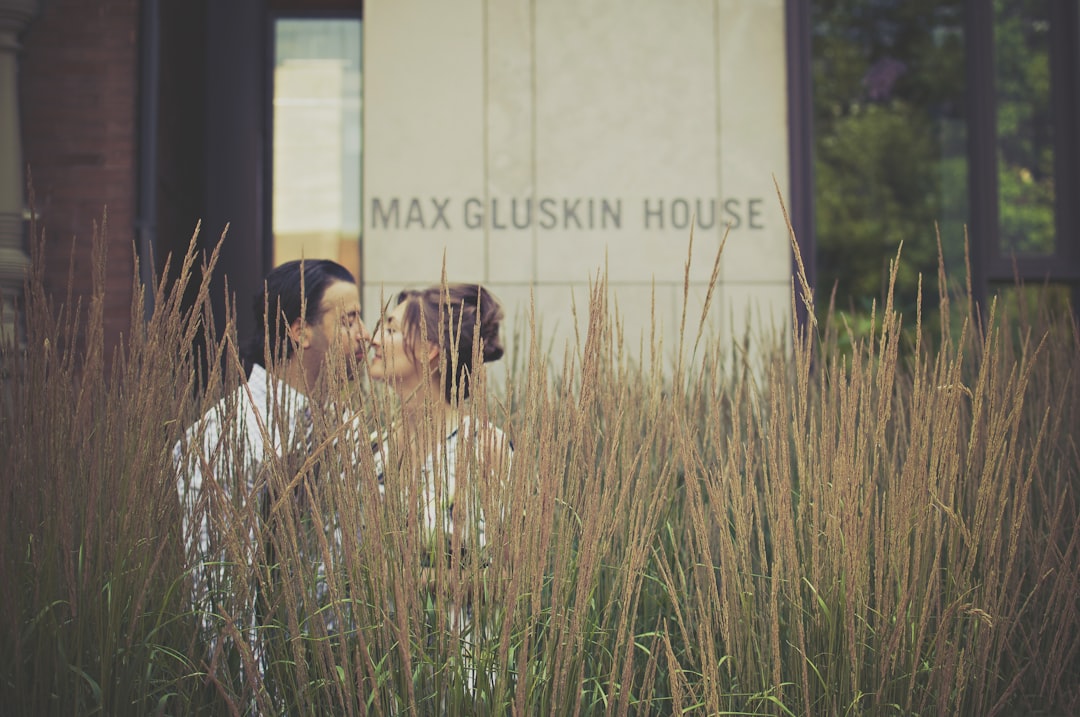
x,y
889,141
1024,126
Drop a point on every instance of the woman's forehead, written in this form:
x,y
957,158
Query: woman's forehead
x,y
397,314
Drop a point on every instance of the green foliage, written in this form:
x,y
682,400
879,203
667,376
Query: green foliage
x,y
889,145
891,150
882,527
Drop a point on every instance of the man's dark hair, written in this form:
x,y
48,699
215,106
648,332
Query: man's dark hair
x,y
290,291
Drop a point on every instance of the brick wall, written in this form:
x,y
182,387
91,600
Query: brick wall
x,y
78,95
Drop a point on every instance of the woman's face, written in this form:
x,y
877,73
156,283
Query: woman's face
x,y
390,360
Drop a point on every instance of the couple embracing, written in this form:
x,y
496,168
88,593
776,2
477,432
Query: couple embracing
x,y
429,348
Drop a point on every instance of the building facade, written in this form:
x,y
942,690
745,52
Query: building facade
x,y
536,146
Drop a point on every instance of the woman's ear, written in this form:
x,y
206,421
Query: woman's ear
x,y
433,354
300,333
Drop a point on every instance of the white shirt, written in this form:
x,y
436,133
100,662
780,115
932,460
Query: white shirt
x,y
220,457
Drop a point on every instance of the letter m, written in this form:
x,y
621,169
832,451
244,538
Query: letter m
x,y
387,218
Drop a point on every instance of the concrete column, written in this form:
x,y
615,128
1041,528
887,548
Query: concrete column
x,y
15,15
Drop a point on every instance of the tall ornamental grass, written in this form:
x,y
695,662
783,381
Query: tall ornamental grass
x,y
804,522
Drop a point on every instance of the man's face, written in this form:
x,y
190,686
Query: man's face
x,y
338,332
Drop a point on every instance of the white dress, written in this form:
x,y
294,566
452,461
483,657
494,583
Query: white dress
x,y
441,491
438,483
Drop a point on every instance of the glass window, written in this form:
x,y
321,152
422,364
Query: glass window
x,y
1025,137
889,144
316,193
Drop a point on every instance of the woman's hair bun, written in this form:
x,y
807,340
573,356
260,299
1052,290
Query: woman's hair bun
x,y
456,316
491,315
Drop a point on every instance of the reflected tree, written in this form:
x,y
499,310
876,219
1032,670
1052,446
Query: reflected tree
x,y
890,140
889,144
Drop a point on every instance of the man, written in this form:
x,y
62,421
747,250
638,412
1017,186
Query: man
x,y
307,318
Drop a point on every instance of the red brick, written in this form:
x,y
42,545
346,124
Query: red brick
x,y
78,87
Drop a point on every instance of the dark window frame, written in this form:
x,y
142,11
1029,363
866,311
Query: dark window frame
x,y
801,143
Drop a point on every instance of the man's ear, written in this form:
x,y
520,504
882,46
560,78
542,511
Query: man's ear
x,y
300,333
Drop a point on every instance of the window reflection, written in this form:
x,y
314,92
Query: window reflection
x,y
1024,126
317,141
890,144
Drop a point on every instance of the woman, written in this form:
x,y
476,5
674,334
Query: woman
x,y
441,465
429,350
